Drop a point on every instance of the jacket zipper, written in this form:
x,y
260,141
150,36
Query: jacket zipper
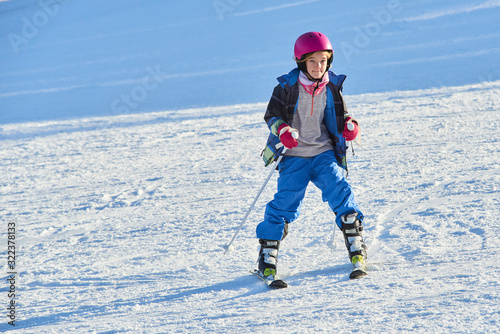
x,y
312,104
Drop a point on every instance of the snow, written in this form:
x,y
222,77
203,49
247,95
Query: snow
x,y
128,163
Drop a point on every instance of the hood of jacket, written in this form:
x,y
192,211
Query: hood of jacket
x,y
288,80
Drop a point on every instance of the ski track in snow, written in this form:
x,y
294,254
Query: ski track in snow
x,y
122,221
432,15
268,9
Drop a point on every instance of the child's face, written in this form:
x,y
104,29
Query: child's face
x,y
316,65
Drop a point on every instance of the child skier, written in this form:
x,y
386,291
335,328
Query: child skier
x,y
308,100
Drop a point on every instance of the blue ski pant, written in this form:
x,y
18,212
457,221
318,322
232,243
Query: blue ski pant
x,y
295,174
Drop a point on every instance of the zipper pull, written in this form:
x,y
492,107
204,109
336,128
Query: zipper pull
x,y
314,92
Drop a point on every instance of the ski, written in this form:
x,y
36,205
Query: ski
x,y
357,273
272,284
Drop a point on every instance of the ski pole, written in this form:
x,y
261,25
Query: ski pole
x,y
295,135
228,246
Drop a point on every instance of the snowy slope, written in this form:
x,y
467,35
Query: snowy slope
x,y
125,173
74,58
122,222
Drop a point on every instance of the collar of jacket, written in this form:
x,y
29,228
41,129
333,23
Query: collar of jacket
x,y
313,87
288,80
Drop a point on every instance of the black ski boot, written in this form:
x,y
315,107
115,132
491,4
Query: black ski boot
x,y
353,236
268,258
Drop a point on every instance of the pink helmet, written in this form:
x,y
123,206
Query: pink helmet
x,y
311,42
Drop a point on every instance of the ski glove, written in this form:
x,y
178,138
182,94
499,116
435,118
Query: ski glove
x,y
350,135
285,136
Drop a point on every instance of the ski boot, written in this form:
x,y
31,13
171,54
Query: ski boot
x,y
268,258
353,236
